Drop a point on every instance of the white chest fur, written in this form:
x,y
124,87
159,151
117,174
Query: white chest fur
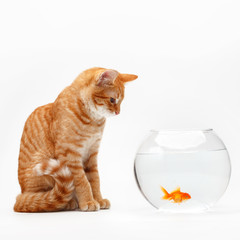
x,y
90,145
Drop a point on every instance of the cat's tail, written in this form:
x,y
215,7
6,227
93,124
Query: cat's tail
x,y
54,199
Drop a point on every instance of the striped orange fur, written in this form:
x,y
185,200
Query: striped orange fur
x,y
57,167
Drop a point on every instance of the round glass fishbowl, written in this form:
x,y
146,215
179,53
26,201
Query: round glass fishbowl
x,y
182,170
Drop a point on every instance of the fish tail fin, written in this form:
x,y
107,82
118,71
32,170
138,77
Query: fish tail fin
x,y
166,194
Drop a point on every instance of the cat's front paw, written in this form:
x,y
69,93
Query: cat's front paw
x,y
89,206
104,203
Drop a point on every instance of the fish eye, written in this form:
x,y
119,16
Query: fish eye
x,y
113,100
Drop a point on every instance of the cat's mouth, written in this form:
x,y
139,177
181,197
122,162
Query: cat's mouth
x,y
105,112
111,113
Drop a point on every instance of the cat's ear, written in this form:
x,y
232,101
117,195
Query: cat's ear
x,y
107,78
128,77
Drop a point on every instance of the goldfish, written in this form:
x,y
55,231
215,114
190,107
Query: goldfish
x,y
177,196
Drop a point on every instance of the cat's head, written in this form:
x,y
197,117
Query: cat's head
x,y
105,90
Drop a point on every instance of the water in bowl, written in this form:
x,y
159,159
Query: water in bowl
x,y
202,174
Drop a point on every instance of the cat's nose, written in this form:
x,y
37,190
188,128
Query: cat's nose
x,y
117,112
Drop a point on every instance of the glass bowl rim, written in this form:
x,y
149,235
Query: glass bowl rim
x,y
180,130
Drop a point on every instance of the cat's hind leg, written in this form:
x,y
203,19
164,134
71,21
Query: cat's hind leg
x,y
72,205
53,200
39,183
46,183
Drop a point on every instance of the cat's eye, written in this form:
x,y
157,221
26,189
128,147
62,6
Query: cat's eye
x,y
113,100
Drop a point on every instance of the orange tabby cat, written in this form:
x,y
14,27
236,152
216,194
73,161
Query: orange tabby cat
x,y
59,146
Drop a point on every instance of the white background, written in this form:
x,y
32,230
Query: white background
x,y
187,56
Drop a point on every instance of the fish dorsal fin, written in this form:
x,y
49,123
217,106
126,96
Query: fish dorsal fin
x,y
176,190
